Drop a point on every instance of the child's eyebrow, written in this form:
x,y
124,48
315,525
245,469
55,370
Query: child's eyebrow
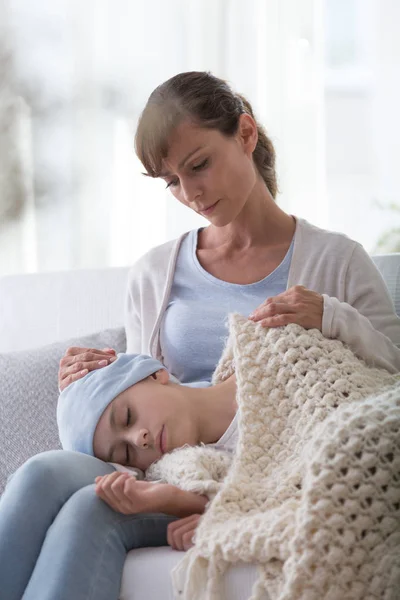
x,y
113,426
112,417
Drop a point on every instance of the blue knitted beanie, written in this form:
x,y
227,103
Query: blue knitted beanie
x,y
81,404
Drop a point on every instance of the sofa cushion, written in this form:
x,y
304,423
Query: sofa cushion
x,y
29,393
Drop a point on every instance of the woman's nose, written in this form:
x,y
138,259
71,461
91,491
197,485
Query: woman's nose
x,y
190,192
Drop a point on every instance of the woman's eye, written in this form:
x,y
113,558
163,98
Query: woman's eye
x,y
201,165
172,183
128,417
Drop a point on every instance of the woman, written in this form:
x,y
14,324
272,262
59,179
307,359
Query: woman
x,y
203,140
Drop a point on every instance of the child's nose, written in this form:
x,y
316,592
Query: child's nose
x,y
142,439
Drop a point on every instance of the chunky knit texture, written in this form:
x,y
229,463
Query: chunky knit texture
x,y
313,493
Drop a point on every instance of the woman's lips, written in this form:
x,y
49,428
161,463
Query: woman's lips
x,y
209,210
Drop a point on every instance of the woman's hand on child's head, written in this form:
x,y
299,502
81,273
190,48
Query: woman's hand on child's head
x,y
125,494
77,362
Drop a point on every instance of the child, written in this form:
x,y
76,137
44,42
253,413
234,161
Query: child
x,y
131,413
63,536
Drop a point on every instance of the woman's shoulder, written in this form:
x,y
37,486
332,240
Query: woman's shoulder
x,y
316,238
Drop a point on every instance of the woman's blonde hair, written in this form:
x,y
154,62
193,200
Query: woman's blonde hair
x,y
210,103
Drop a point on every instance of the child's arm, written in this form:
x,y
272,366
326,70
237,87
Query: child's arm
x,y
179,503
127,495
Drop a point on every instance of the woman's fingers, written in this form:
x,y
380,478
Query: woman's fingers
x,y
272,309
64,383
77,362
276,314
75,350
181,532
295,305
281,320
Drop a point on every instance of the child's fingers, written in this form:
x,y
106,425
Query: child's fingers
x,y
119,490
181,532
107,480
113,492
114,475
130,483
113,501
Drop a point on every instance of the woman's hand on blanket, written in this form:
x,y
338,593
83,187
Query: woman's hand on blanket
x,y
77,362
180,533
126,495
295,305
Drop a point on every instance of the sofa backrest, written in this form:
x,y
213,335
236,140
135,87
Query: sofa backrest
x,y
389,266
43,308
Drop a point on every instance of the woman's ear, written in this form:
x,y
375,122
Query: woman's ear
x,y
161,376
248,133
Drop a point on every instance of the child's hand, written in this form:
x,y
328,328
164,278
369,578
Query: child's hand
x,y
180,533
125,494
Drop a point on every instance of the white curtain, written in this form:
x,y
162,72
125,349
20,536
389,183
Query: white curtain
x,y
83,71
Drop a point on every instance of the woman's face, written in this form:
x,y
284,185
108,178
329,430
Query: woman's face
x,y
142,423
210,173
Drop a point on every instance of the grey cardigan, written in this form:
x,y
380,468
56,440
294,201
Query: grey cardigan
x,y
358,309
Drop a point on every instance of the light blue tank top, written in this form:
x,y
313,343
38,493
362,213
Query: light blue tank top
x,y
194,327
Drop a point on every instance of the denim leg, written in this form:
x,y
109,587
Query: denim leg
x,y
33,497
84,552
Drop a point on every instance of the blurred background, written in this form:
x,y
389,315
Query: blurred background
x,y
322,75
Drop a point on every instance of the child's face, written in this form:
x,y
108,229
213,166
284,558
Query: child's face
x,y
143,422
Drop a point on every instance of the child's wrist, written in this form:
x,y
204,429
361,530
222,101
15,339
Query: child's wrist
x,y
163,497
172,500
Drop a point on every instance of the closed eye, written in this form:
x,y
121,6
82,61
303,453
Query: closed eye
x,y
172,183
201,165
195,168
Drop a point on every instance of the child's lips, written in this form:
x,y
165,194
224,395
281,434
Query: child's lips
x,y
163,440
160,440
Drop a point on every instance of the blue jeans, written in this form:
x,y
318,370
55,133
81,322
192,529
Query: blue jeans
x,y
58,540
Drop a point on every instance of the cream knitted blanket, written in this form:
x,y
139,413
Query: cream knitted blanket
x,y
313,493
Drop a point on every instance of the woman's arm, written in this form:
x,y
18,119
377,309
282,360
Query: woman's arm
x,y
366,321
149,284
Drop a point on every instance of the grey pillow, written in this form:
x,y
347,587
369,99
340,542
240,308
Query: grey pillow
x,y
29,394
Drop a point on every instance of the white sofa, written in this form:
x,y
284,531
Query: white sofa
x,y
43,308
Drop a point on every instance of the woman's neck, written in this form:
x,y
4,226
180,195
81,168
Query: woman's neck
x,y
261,222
